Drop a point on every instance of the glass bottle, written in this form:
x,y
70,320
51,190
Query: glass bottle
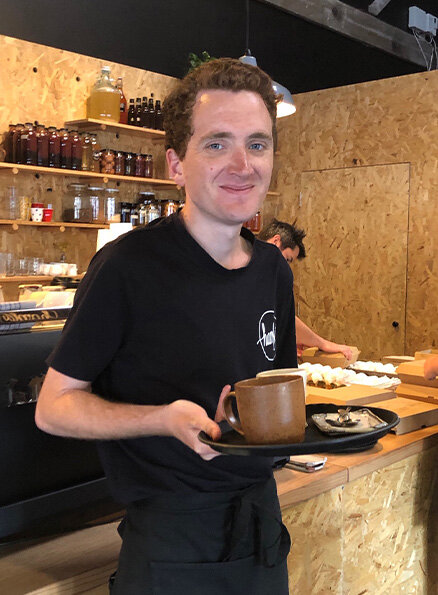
x,y
95,153
154,211
158,115
28,145
151,110
149,167
76,150
137,114
42,146
170,206
131,113
123,117
257,222
134,215
8,143
104,100
125,212
65,148
145,113
87,155
16,144
107,161
119,163
54,147
129,164
13,205
139,165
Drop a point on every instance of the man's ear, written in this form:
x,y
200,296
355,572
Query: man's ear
x,y
175,167
276,240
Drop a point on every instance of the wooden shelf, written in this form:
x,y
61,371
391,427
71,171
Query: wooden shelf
x,y
91,125
61,224
272,193
15,168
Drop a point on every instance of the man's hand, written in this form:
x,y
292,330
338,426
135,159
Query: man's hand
x,y
330,347
184,420
431,368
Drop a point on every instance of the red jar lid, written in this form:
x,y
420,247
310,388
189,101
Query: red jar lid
x,y
37,205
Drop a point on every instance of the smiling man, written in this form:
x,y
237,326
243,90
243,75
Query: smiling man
x,y
167,318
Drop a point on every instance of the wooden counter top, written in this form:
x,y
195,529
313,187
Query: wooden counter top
x,y
296,486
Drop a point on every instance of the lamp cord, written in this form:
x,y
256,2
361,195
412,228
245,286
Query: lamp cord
x,y
248,52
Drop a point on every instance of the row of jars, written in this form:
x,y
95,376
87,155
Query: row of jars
x,y
126,164
95,204
146,209
36,144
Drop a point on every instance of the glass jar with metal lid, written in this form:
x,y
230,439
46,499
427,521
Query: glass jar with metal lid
x,y
97,201
111,202
76,204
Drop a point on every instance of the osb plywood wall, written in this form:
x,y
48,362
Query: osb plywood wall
x,y
384,122
51,86
376,535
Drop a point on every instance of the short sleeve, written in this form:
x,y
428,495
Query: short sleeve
x,y
96,325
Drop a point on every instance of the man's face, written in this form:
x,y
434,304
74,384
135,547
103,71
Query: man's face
x,y
227,167
290,254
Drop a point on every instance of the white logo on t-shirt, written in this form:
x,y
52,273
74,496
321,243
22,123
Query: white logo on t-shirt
x,y
267,328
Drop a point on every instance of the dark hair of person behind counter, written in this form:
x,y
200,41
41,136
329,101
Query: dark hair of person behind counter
x,y
290,236
225,74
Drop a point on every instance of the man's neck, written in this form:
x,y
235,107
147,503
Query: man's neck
x,y
221,241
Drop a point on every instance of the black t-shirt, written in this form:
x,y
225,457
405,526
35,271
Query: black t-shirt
x,y
155,320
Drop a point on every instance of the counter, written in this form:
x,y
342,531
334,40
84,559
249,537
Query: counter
x,y
365,524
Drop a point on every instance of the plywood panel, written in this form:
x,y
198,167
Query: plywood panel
x,y
354,278
380,122
51,85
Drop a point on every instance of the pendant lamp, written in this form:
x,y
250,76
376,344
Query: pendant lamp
x,y
286,106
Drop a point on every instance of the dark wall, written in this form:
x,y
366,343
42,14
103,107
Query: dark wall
x,y
157,35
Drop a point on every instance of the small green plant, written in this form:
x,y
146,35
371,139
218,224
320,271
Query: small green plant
x,y
195,61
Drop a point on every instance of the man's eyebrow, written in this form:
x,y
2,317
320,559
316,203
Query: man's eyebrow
x,y
220,135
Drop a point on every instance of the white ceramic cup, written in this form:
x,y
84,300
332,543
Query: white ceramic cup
x,y
287,372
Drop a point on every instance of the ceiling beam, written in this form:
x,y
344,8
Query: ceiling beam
x,y
356,24
377,6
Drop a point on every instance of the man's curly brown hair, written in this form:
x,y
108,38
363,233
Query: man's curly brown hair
x,y
226,74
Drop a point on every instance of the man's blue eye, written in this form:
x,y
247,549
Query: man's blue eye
x,y
257,146
215,146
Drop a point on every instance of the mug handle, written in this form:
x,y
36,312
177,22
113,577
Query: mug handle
x,y
229,413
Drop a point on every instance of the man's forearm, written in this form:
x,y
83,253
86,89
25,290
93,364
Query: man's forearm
x,y
80,414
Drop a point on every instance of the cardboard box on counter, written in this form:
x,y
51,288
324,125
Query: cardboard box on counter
x,y
413,414
426,353
413,373
313,355
357,394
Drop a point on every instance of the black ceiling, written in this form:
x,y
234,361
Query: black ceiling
x,y
157,35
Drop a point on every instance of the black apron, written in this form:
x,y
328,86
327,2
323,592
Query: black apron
x,y
205,544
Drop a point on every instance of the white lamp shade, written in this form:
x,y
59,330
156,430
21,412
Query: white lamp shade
x,y
286,106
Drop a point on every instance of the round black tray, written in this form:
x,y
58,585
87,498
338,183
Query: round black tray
x,y
232,442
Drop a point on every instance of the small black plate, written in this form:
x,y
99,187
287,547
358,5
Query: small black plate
x,y
233,443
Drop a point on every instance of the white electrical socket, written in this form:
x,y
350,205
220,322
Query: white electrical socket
x,y
421,21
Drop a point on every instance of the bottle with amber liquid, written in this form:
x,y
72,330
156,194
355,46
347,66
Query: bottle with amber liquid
x,y
8,143
123,119
65,148
42,146
104,100
28,145
131,113
16,143
54,147
95,153
139,167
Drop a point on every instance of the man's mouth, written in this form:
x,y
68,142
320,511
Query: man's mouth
x,y
235,189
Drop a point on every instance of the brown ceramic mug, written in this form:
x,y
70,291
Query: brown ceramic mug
x,y
271,409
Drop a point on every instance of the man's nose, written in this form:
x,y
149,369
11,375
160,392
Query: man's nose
x,y
240,162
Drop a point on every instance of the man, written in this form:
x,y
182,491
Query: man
x,y
166,319
289,240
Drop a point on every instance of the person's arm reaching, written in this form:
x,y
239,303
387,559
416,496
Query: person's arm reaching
x,y
308,338
66,407
431,368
